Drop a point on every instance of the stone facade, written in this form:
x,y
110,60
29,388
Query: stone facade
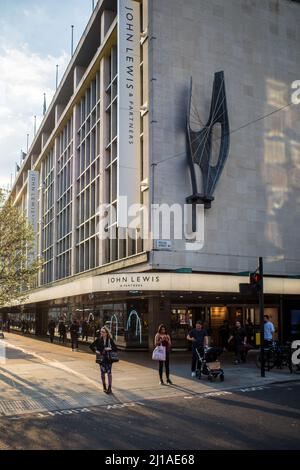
x,y
256,211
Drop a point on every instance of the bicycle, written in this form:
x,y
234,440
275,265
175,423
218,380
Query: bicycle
x,y
278,356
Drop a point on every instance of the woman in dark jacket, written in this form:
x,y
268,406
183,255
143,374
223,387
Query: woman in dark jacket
x,y
103,346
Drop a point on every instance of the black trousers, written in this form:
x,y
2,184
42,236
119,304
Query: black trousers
x,y
167,367
240,355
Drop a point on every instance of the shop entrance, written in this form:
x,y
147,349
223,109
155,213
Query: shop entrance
x,y
247,315
183,319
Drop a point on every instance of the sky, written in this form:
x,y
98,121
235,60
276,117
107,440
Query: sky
x,y
35,36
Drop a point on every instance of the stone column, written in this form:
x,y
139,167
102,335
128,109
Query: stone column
x,y
159,312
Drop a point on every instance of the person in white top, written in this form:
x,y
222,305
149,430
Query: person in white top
x,y
269,331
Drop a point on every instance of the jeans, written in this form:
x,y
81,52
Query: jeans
x,y
195,357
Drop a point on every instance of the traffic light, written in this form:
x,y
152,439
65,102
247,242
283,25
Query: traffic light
x,y
256,281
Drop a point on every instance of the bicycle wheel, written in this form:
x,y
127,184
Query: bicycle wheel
x,y
295,368
269,359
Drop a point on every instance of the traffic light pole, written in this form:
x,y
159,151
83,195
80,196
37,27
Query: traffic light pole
x,y
261,314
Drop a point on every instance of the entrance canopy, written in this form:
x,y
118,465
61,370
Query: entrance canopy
x,y
153,281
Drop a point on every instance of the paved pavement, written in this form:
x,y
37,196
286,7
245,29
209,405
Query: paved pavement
x,y
37,377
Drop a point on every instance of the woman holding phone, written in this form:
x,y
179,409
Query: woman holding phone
x,y
163,339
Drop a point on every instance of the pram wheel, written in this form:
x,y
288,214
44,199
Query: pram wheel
x,y
222,377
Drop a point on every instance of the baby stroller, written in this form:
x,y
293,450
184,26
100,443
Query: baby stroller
x,y
208,363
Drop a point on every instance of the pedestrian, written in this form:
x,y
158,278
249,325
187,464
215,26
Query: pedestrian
x,y
239,336
62,330
8,325
250,330
162,338
84,330
103,346
74,330
51,329
199,338
224,333
269,331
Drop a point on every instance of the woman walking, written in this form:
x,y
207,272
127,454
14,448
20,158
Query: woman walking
x,y
103,346
163,339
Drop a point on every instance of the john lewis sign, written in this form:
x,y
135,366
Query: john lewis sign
x,y
129,87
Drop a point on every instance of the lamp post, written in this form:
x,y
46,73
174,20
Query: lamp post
x,y
261,316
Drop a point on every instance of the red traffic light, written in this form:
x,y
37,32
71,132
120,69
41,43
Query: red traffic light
x,y
255,279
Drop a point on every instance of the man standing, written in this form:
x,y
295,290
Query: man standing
x,y
199,338
84,330
62,332
239,336
51,329
269,331
74,330
224,334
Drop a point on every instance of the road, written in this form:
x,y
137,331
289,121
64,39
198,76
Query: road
x,y
51,399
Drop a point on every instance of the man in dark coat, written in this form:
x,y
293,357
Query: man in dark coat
x,y
74,330
51,329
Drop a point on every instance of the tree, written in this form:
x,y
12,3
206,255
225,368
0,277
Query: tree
x,y
19,265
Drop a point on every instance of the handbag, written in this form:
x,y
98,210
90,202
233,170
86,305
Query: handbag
x,y
113,355
159,353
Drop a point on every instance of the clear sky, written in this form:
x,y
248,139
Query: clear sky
x,y
34,37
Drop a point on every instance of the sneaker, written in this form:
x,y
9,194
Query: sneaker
x,y
161,382
236,362
193,374
109,391
169,382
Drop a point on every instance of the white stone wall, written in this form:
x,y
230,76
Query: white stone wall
x,y
256,211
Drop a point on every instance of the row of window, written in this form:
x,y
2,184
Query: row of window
x,y
82,156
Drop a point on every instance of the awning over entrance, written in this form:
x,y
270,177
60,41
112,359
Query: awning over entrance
x,y
168,282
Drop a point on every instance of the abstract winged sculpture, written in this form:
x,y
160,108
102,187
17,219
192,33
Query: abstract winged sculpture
x,y
200,145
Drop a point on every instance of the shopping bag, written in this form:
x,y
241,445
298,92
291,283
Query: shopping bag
x,y
159,353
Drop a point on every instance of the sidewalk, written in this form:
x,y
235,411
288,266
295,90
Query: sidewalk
x,y
37,376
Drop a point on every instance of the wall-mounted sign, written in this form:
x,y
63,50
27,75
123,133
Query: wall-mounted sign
x,y
129,100
32,200
133,281
163,244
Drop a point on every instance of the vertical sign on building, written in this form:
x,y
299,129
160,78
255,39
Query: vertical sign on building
x,y
129,97
32,201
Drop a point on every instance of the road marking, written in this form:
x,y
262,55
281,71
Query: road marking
x,y
47,414
252,389
124,405
121,406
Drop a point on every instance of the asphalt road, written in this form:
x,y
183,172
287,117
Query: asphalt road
x,y
266,418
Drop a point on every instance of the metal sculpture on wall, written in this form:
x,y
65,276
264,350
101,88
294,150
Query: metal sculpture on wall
x,y
114,319
200,144
138,324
